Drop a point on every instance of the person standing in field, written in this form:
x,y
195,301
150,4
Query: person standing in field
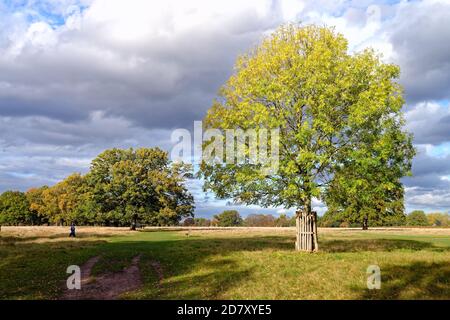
x,y
72,230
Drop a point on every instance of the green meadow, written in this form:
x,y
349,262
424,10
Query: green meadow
x,y
246,263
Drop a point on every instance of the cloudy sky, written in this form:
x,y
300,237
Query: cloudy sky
x,y
80,76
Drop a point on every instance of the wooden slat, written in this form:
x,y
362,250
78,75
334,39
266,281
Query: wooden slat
x,y
306,231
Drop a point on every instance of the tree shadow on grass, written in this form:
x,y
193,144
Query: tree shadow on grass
x,y
215,278
218,283
419,280
35,270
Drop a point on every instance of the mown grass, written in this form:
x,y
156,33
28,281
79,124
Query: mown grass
x,y
234,265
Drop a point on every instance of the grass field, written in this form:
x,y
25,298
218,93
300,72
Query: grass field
x,y
230,264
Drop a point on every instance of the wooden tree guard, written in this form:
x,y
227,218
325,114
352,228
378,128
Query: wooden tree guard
x,y
306,231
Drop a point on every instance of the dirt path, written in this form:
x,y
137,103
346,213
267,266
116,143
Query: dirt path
x,y
108,286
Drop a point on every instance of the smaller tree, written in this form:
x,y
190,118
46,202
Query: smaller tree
x,y
202,222
50,210
284,221
259,220
188,222
37,206
229,218
395,220
60,203
15,208
438,219
368,189
70,193
417,218
331,219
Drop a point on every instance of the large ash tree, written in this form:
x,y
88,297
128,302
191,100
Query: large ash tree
x,y
336,111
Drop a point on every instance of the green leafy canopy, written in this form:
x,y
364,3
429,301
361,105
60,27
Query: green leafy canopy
x,y
336,111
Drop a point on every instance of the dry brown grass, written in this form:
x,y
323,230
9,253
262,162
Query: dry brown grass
x,y
291,230
40,234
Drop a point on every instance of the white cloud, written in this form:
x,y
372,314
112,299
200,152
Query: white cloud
x,y
434,200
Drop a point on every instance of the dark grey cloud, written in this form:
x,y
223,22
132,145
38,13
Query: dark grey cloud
x,y
429,170
420,36
429,122
429,187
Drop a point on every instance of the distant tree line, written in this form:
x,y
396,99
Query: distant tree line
x,y
232,218
123,187
415,218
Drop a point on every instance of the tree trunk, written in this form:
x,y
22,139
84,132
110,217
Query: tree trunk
x,y
365,224
133,223
306,230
